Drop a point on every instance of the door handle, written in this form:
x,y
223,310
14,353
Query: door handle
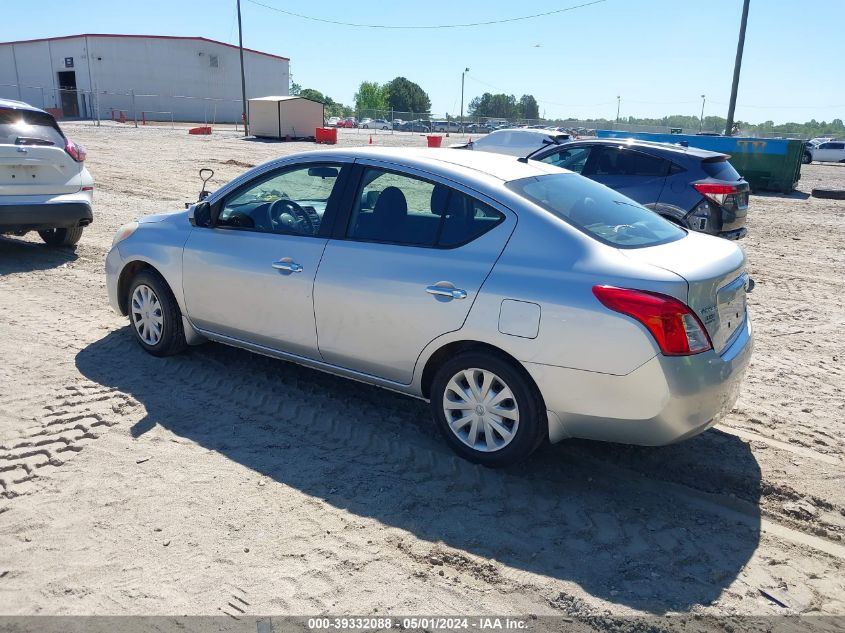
x,y
287,266
445,291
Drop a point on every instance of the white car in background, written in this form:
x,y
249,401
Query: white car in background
x,y
832,151
516,142
44,185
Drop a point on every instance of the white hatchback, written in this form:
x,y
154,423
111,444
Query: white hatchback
x,y
44,185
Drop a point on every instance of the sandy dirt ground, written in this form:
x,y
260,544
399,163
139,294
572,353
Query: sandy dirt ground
x,y
223,482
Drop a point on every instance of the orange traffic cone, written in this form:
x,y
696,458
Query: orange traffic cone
x,y
371,139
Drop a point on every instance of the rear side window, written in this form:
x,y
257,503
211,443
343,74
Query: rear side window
x,y
597,210
721,170
397,209
619,161
24,127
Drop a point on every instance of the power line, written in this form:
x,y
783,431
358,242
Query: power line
x,y
426,26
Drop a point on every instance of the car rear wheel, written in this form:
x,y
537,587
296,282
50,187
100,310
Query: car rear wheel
x,y
61,237
488,410
154,315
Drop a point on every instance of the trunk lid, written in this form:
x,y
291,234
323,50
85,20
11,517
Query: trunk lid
x,y
33,159
27,170
714,270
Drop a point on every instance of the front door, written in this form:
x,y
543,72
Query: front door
x,y
250,276
407,269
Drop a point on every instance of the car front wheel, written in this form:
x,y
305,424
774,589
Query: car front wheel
x,y
61,237
487,409
807,159
154,315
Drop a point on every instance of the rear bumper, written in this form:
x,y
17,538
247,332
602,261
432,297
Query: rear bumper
x,y
32,213
666,400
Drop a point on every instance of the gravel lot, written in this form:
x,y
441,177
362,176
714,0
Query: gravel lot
x,y
223,482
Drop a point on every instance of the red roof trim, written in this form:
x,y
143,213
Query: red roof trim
x,y
153,37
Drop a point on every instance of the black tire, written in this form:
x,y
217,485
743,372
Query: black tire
x,y
172,337
807,158
533,426
829,194
61,237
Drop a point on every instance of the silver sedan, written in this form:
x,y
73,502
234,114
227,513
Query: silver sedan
x,y
523,301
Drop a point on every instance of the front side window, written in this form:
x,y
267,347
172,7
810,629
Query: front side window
x,y
398,209
292,202
573,158
597,210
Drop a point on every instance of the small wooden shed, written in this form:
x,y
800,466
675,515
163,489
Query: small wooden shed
x,y
280,117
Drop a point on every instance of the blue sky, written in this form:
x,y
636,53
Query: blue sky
x,y
660,56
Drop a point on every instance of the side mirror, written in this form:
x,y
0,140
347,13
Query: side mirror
x,y
200,214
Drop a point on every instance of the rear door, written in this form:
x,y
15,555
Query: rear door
x,y
638,175
404,269
33,160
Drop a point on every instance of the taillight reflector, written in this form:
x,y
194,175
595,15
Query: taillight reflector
x,y
674,326
708,188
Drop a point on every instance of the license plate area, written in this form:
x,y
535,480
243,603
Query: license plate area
x,y
18,174
731,306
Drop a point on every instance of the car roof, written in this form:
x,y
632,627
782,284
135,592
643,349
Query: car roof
x,y
469,164
668,147
19,105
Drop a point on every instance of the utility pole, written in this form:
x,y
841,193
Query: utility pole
x,y
243,77
618,104
737,65
701,121
463,74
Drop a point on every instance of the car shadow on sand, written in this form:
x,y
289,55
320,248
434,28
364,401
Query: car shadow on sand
x,y
599,515
20,256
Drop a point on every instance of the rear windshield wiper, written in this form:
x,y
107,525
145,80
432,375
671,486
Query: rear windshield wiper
x,y
30,140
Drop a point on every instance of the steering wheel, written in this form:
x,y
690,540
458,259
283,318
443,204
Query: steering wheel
x,y
300,218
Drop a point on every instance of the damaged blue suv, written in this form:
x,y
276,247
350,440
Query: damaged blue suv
x,y
695,188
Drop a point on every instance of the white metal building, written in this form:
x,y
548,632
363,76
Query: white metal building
x,y
149,76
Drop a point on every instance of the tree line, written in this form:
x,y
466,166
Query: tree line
x,y
404,96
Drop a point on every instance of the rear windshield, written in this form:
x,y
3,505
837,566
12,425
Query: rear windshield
x,y
721,169
597,210
24,127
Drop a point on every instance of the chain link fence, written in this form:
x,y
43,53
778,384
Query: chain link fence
x,y
139,108
126,107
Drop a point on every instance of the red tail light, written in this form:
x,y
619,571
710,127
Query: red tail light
x,y
77,152
674,326
708,188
